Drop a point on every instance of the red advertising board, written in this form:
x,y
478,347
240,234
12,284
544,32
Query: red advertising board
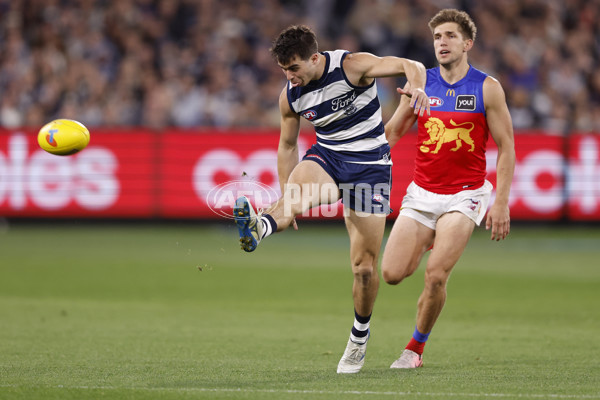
x,y
537,191
114,176
583,177
194,164
197,174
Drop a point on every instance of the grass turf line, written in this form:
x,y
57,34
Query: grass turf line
x,y
166,311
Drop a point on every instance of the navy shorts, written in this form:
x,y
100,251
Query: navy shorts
x,y
363,187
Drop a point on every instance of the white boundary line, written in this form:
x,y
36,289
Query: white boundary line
x,y
326,392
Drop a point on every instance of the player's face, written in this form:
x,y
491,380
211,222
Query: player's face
x,y
449,44
300,72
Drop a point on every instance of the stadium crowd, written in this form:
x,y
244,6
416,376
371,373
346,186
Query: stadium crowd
x,y
205,63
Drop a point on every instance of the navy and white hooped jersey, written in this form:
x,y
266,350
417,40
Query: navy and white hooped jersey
x,y
347,118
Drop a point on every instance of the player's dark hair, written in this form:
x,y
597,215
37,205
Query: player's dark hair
x,y
297,40
466,25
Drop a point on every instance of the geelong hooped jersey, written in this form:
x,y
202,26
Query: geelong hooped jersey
x,y
347,118
451,142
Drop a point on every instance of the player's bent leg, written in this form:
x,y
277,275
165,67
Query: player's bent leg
x,y
408,241
366,233
453,231
452,235
309,185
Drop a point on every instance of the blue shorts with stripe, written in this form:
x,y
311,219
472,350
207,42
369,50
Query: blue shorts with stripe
x,y
363,187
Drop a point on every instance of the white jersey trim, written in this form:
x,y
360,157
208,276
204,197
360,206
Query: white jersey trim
x,y
363,127
359,145
322,95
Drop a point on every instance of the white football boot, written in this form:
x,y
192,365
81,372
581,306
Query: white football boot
x,y
353,358
408,359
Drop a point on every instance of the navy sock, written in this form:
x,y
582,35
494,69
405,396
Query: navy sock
x,y
360,330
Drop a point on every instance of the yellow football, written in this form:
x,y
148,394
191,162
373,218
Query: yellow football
x,y
63,137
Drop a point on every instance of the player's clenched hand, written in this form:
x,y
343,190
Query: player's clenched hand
x,y
498,219
419,100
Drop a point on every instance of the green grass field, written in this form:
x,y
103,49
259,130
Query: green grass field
x,y
180,312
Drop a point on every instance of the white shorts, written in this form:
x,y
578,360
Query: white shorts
x,y
427,207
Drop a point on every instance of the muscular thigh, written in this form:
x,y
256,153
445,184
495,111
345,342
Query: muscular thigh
x,y
453,232
309,185
366,235
408,241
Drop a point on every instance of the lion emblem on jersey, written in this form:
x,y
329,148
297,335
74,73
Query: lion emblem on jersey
x,y
440,134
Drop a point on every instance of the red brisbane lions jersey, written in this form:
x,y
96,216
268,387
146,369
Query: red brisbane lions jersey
x,y
451,142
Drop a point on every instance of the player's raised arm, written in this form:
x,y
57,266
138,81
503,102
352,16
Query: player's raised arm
x,y
362,68
501,129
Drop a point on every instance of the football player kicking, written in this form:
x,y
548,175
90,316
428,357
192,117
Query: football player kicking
x,y
336,92
449,194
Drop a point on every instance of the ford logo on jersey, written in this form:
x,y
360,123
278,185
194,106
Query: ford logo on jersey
x,y
309,115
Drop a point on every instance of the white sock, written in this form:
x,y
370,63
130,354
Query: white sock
x,y
269,225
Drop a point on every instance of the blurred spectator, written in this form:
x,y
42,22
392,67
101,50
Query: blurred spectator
x,y
203,63
521,110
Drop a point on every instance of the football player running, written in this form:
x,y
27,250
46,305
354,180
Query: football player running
x,y
449,194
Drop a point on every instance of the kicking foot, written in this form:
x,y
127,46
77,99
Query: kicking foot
x,y
248,223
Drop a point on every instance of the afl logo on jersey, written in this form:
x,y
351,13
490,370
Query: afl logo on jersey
x,y
435,101
309,115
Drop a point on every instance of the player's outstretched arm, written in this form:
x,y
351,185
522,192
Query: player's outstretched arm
x,y
362,68
501,129
402,120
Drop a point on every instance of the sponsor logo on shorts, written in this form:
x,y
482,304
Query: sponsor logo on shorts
x,y
474,204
